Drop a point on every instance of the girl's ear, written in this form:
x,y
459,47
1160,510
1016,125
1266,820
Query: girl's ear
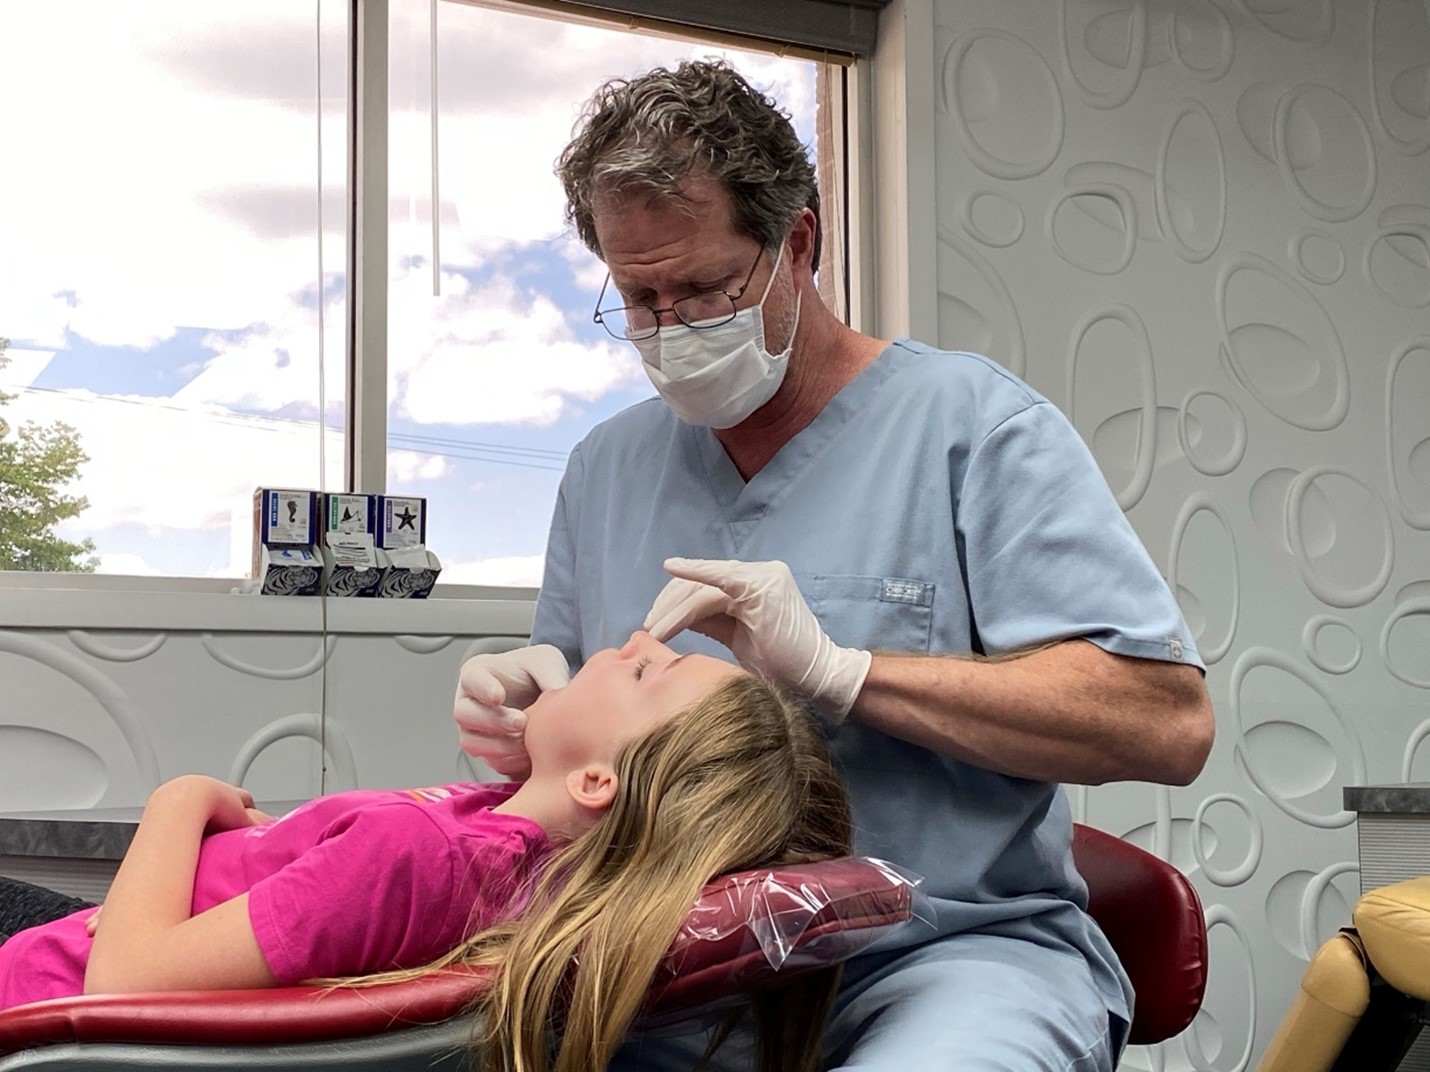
x,y
593,787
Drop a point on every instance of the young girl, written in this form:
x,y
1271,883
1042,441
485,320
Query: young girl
x,y
651,774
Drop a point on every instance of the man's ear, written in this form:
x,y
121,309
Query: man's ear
x,y
593,787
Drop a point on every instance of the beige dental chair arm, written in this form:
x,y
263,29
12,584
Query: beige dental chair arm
x,y
1334,994
1391,940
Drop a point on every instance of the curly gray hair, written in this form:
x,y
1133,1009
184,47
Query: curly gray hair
x,y
702,118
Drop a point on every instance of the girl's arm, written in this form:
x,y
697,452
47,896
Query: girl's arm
x,y
147,940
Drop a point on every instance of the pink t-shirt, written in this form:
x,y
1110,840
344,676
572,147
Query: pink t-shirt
x,y
346,884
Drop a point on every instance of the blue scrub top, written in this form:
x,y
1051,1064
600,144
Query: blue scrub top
x,y
937,504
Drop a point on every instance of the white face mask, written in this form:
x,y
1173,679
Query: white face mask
x,y
720,375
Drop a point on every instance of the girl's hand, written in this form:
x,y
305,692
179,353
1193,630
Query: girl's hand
x,y
92,923
226,807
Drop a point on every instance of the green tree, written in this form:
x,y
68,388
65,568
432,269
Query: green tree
x,y
37,463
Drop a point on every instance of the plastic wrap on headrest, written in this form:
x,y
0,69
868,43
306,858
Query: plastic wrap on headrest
x,y
754,930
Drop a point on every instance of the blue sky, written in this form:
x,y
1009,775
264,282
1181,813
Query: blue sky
x,y
160,285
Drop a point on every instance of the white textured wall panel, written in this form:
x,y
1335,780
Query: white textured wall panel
x,y
96,716
1203,229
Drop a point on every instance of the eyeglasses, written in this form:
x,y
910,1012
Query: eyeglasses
x,y
707,310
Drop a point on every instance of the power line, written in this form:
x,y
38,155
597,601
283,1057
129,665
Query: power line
x,y
440,446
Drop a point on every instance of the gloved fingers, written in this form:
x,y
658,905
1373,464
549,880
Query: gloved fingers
x,y
680,604
517,768
720,628
477,683
733,577
505,753
514,677
546,667
488,719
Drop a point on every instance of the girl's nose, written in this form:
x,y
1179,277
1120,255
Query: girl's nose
x,y
640,640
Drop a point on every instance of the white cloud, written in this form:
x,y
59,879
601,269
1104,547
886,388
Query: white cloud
x,y
164,178
588,270
517,570
494,354
19,367
406,466
127,565
162,465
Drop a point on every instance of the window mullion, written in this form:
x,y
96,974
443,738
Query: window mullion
x,y
366,468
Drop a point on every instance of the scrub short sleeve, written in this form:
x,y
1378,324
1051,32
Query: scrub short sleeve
x,y
1049,554
557,618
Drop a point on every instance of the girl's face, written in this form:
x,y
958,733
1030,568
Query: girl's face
x,y
618,695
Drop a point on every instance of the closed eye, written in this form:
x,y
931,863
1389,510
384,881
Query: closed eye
x,y
641,664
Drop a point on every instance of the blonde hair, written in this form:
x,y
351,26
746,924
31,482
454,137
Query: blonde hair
x,y
741,779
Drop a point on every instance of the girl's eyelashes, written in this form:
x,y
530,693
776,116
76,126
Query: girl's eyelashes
x,y
641,664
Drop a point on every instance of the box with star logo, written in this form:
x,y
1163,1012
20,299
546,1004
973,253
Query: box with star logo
x,y
409,568
402,521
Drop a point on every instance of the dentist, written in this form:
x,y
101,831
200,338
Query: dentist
x,y
915,540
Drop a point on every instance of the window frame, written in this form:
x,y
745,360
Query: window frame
x,y
365,346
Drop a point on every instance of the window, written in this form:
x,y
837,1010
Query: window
x,y
159,261
162,297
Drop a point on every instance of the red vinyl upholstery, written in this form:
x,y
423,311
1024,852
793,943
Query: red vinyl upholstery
x,y
1153,918
1147,908
850,903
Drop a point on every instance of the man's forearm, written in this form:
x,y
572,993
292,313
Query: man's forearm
x,y
1070,712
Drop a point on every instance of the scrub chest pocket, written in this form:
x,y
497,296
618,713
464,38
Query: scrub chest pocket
x,y
892,613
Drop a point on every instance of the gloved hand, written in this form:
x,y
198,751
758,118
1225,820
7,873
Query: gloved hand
x,y
493,692
756,610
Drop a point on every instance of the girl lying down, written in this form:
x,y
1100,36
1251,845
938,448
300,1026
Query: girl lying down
x,y
652,773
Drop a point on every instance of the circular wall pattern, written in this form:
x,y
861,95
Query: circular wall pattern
x,y
1281,345
991,217
1191,157
1331,644
1095,367
1339,180
1221,916
1305,22
1355,532
1088,257
1293,751
1399,45
1318,257
1230,876
1408,627
1397,263
1124,76
987,78
1211,575
982,308
1192,47
1407,430
1191,432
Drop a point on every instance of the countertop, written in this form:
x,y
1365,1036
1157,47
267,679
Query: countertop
x,y
92,834
1407,798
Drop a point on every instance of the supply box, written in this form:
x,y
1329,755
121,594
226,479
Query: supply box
x,y
409,569
286,560
350,563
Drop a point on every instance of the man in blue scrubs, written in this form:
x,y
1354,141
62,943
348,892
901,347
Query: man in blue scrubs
x,y
914,539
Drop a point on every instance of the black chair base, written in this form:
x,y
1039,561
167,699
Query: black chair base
x,y
1390,1026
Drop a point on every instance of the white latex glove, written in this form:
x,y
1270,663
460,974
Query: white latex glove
x,y
493,692
756,610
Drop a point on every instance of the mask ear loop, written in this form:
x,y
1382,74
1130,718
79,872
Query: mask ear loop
x,y
798,297
770,282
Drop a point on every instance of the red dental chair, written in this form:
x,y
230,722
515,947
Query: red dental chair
x,y
1147,908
